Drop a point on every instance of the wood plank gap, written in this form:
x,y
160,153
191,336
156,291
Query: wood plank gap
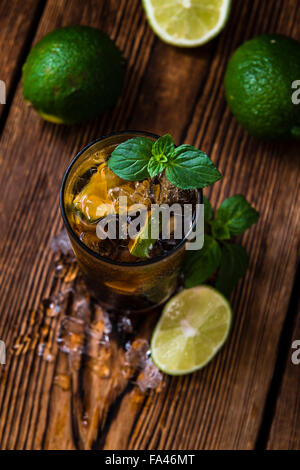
x,y
284,348
37,14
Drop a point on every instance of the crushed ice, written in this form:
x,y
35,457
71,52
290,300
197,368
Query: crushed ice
x,y
83,333
61,243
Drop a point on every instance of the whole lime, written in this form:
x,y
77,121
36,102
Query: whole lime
x,y
258,86
73,74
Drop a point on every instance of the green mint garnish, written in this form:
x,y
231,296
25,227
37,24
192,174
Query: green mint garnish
x,y
228,261
234,264
235,215
130,159
156,168
186,167
220,231
189,168
163,148
202,264
208,212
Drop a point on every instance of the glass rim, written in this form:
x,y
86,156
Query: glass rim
x,y
92,253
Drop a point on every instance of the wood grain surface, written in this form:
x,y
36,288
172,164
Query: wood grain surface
x,y
18,23
166,90
285,427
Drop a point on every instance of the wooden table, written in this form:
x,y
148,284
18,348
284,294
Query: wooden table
x,y
248,397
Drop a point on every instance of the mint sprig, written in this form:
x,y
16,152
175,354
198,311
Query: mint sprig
x,y
185,166
235,215
163,147
130,159
190,168
202,264
208,212
233,266
226,261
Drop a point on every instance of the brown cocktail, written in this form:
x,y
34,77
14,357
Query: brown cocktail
x,y
125,273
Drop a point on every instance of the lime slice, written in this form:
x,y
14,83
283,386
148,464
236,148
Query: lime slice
x,y
187,23
193,327
143,243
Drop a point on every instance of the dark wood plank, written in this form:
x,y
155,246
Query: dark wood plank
x,y
249,168
167,89
285,428
41,152
18,20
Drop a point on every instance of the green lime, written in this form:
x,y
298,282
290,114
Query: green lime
x,y
187,23
258,86
73,74
143,243
193,327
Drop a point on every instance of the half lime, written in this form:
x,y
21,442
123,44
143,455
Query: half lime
x,y
193,327
187,23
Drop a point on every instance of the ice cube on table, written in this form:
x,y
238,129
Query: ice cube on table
x,y
61,243
150,377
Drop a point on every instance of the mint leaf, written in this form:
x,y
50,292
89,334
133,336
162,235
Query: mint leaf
x,y
201,264
162,150
130,159
234,263
190,168
236,214
208,212
219,230
163,147
155,167
186,167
